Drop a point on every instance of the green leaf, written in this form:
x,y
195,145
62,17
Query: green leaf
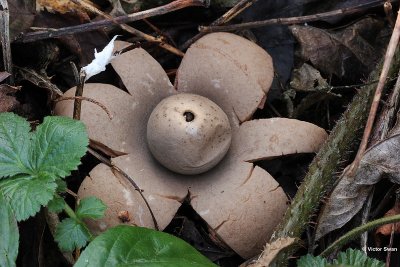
x,y
70,234
35,160
137,246
311,261
9,234
350,258
355,257
27,193
56,205
60,142
15,141
90,207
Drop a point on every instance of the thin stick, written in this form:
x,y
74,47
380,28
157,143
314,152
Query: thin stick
x,y
225,18
5,38
130,180
292,20
394,40
78,95
130,29
91,26
63,98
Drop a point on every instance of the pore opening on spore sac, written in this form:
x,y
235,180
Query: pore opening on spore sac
x,y
189,116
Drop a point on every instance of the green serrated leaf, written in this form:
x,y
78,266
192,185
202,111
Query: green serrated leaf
x,y
56,205
137,246
9,234
311,261
350,258
91,207
70,234
27,193
60,142
355,257
61,186
15,141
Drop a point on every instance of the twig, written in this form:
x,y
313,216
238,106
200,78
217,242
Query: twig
x,y
130,180
394,40
5,38
293,20
137,188
161,10
130,29
356,232
78,95
225,18
80,98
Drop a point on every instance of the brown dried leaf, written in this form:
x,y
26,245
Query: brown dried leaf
x,y
22,14
63,7
4,75
350,194
387,228
307,78
7,99
339,53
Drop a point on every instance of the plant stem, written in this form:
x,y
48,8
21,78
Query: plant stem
x,y
356,232
70,212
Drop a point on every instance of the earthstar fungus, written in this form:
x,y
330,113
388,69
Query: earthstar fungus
x,y
237,199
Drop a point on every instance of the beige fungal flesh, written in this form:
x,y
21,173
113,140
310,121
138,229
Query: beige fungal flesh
x,y
241,202
230,70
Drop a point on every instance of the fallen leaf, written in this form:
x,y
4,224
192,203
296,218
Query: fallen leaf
x,y
387,228
340,53
307,78
62,7
4,75
22,14
350,193
8,102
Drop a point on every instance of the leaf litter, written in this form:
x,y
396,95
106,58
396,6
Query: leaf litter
x,y
350,46
380,161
